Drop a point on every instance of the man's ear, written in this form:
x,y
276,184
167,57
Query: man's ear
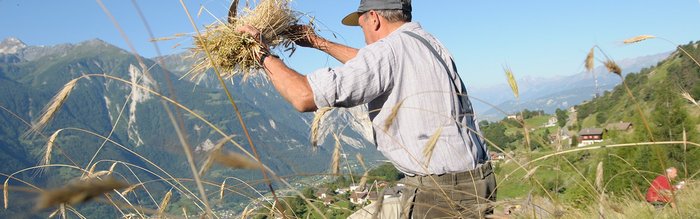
x,y
374,20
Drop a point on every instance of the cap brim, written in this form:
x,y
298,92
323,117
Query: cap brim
x,y
351,19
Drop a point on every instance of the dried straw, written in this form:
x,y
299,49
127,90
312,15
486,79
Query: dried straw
x,y
5,192
363,180
56,102
430,145
234,160
316,124
129,189
613,67
590,60
221,190
511,81
335,161
164,202
78,191
599,177
638,39
530,173
390,119
207,163
49,147
361,160
237,53
690,98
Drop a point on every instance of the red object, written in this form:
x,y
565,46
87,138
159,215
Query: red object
x,y
659,184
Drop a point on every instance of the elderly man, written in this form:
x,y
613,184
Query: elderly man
x,y
660,192
422,118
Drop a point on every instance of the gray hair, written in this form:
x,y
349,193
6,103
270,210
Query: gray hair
x,y
395,15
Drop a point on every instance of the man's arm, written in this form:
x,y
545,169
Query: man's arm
x,y
292,86
309,38
340,52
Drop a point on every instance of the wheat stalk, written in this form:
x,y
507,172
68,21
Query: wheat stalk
x,y
207,163
129,189
613,67
638,39
392,116
361,160
690,98
111,168
316,124
221,190
56,102
78,191
590,61
335,160
49,147
511,81
430,145
363,180
530,173
6,192
234,160
599,177
164,202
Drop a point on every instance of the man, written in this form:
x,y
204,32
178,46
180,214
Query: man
x,y
422,118
660,192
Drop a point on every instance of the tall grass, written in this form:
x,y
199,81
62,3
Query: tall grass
x,y
528,168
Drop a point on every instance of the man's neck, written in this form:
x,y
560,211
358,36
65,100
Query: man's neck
x,y
391,27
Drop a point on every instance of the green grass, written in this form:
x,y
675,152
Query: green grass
x,y
537,121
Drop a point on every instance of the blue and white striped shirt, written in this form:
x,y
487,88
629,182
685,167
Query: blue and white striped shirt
x,y
409,71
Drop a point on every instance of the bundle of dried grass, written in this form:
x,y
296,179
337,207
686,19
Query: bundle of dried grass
x,y
237,53
78,191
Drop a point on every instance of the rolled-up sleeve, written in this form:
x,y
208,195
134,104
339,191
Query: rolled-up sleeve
x,y
360,80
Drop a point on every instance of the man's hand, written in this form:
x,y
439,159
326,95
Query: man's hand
x,y
306,36
257,36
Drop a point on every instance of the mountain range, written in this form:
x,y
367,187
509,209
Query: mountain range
x,y
549,94
98,107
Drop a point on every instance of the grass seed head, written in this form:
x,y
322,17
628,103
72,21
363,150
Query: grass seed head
x,y
530,173
390,119
316,124
361,160
335,161
49,147
599,177
430,145
164,202
511,81
78,191
638,39
234,160
5,192
590,60
54,105
613,67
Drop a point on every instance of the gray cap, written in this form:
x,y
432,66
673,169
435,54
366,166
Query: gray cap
x,y
367,5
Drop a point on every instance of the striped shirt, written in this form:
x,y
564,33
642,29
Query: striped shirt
x,y
410,84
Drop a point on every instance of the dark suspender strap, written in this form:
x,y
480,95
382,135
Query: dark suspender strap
x,y
481,153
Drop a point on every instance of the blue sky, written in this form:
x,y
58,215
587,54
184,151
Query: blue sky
x,y
540,38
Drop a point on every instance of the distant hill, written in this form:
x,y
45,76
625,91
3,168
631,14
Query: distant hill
x,y
549,94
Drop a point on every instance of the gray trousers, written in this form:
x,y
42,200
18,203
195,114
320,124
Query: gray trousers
x,y
468,194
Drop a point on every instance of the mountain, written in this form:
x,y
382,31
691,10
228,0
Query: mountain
x,y
31,75
548,94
